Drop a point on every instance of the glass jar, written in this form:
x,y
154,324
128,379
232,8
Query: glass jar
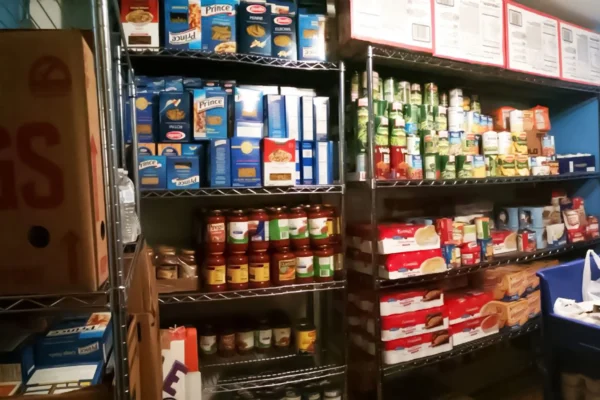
x,y
237,271
226,344
187,264
283,267
312,394
323,264
237,231
215,232
208,339
244,338
317,226
282,333
306,337
258,230
215,273
338,262
298,225
305,272
259,269
263,335
279,234
166,263
334,226
332,393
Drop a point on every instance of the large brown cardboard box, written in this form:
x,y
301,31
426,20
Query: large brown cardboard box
x,y
51,185
143,295
150,357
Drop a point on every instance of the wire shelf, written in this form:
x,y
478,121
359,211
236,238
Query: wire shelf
x,y
254,191
209,362
515,258
466,348
194,297
236,58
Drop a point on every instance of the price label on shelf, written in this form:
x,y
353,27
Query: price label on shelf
x,y
469,30
399,23
580,55
533,41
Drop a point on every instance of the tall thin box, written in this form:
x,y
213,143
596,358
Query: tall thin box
x,y
308,129
324,163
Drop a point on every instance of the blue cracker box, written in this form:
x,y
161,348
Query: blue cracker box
x,y
275,116
175,117
210,113
182,24
311,36
321,118
254,28
173,84
248,113
292,116
219,25
576,163
183,173
146,107
152,172
324,163
147,149
298,175
283,43
245,162
168,149
79,339
219,163
308,163
308,117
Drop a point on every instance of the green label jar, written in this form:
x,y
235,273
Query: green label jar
x,y
279,229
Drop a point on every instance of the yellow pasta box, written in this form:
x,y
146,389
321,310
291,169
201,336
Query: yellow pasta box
x,y
283,37
218,25
254,20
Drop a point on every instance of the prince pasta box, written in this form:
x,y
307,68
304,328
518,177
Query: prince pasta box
x,y
219,26
279,160
183,24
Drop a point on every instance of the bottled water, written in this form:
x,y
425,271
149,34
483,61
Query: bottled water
x,y
130,223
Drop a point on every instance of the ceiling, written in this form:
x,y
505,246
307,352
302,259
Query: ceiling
x,y
585,13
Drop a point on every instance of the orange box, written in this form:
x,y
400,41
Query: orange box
x,y
52,198
508,283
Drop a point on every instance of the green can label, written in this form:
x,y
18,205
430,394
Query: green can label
x,y
279,229
298,228
362,119
237,232
304,267
381,131
323,266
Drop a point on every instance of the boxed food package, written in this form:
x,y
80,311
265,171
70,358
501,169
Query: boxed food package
x,y
323,163
534,302
57,378
311,36
183,24
474,329
284,29
298,175
512,315
147,149
414,263
308,115
504,242
174,117
307,156
416,299
254,28
292,116
140,20
146,109
181,375
321,118
245,162
219,25
152,172
168,149
411,323
507,283
210,113
414,347
275,116
219,163
464,305
279,162
248,113
402,238
580,162
183,173
574,218
556,234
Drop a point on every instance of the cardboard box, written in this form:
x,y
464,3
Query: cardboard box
x,y
210,113
193,149
169,149
298,175
219,25
245,162
174,117
183,173
140,22
146,108
219,163
275,116
152,172
284,29
179,351
311,36
142,296
55,206
308,129
279,162
174,83
324,163
307,158
147,149
183,24
254,28
150,358
51,379
248,113
292,116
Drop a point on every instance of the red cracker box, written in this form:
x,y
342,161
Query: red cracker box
x,y
466,305
474,329
414,347
52,195
396,237
411,323
410,300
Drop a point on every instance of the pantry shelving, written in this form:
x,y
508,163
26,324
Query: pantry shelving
x,y
258,191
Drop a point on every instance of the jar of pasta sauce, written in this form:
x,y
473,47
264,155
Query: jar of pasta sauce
x,y
298,225
338,261
317,226
237,271
305,272
215,232
283,267
237,231
259,269
258,230
215,273
323,264
333,223
279,234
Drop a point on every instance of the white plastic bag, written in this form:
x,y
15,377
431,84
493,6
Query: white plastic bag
x,y
590,289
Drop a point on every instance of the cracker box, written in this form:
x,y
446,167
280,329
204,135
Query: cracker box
x,y
147,149
275,116
168,149
183,173
408,300
411,323
219,25
307,157
279,162
311,36
210,114
248,113
307,108
284,29
292,116
174,117
140,22
152,172
324,163
219,163
183,24
298,175
245,162
254,28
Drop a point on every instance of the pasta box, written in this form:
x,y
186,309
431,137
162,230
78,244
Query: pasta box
x,y
146,106
219,25
219,163
323,163
275,116
140,21
245,162
183,24
298,175
307,108
168,149
292,116
279,162
248,113
173,84
210,113
321,118
183,173
152,172
307,157
147,149
311,36
85,338
174,117
284,29
576,163
254,28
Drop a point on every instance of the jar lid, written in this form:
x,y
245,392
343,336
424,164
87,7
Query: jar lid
x,y
188,252
304,324
165,249
238,212
215,212
315,207
261,210
277,209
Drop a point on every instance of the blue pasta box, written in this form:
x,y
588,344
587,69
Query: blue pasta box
x,y
245,162
173,84
183,173
248,113
275,109
324,163
219,25
311,36
219,163
321,118
298,174
174,116
193,149
168,149
78,339
308,163
254,28
307,120
283,36
152,172
292,116
210,113
182,24
146,107
147,149
193,83
576,163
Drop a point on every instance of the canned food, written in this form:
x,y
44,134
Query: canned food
x,y
432,167
475,104
482,226
416,97
448,167
389,86
444,100
443,143
456,98
415,166
429,142
413,145
490,143
491,166
504,143
487,249
464,166
455,142
440,118
402,93
425,117
478,166
456,119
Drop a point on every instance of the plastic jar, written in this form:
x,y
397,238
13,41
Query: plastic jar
x,y
215,232
317,226
237,271
259,269
338,262
208,339
215,273
323,264
263,335
304,265
187,264
226,344
333,223
279,231
283,267
258,230
166,263
237,231
306,337
298,225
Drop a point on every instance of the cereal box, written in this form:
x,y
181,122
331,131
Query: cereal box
x,y
140,22
219,163
311,36
210,113
275,120
168,149
324,163
254,20
174,117
307,157
308,129
248,113
284,29
219,25
321,118
152,172
245,162
183,173
279,162
183,24
292,116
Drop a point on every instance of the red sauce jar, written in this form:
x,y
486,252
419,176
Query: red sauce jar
x,y
305,273
259,269
279,232
258,230
237,271
237,231
298,225
317,226
283,267
214,273
323,264
333,223
338,262
215,232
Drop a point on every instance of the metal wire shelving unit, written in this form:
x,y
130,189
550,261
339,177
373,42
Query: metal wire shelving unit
x,y
257,191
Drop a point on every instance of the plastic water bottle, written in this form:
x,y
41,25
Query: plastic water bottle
x,y
130,223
